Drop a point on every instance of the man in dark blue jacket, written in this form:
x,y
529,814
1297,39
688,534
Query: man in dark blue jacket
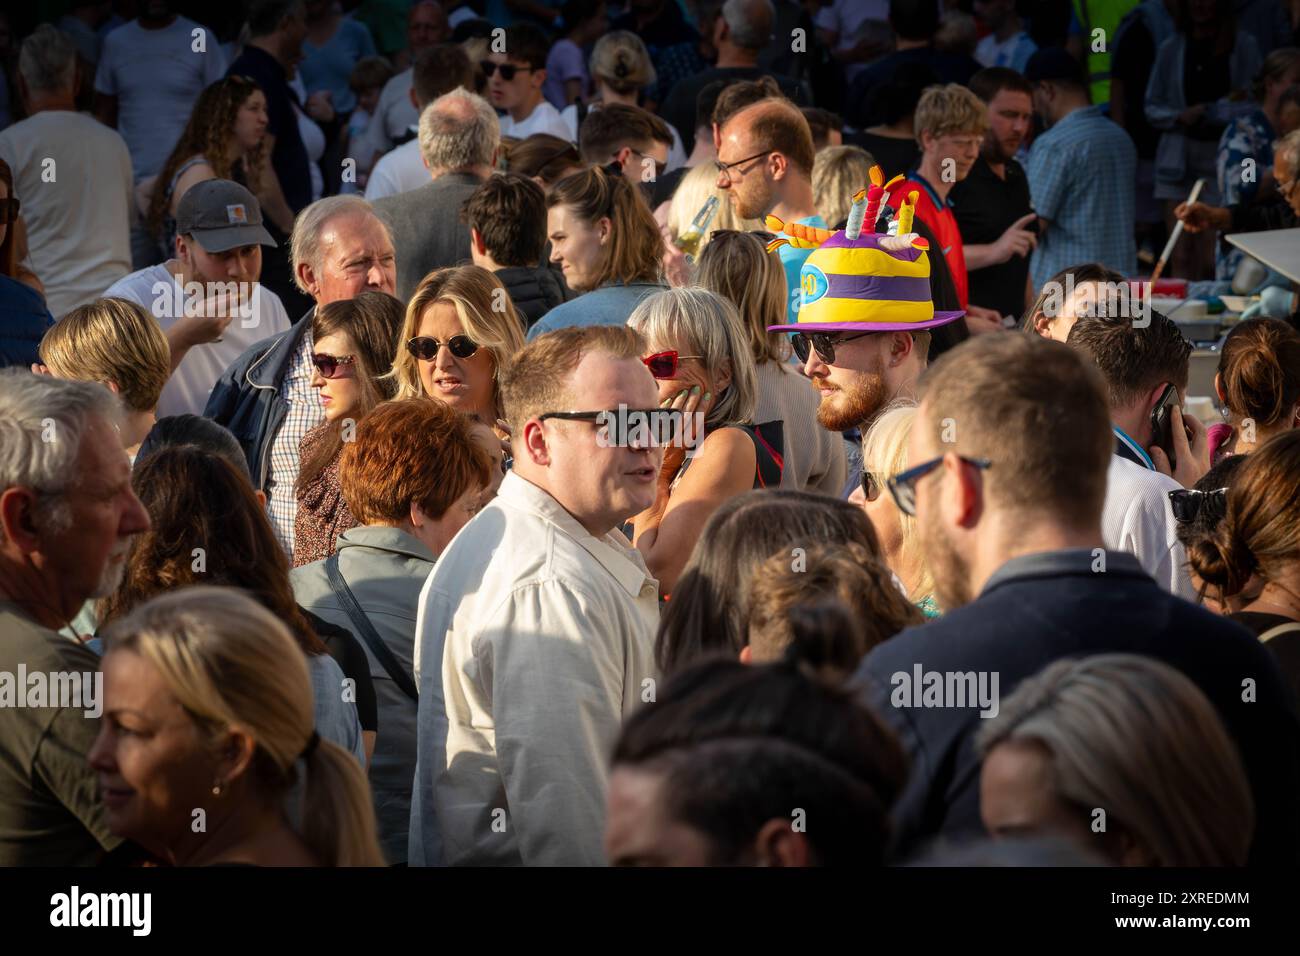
x,y
1009,456
340,249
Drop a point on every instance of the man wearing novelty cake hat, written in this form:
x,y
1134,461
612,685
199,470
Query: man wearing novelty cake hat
x,y
865,311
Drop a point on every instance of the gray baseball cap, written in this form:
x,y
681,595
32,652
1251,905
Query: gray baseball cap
x,y
221,215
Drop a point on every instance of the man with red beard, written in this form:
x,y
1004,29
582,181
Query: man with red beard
x,y
865,311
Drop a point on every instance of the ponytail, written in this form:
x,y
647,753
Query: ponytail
x,y
338,819
634,252
1259,371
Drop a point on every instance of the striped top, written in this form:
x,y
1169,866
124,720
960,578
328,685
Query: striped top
x,y
814,457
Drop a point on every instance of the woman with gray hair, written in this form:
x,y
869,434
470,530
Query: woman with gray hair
x,y
699,354
1124,755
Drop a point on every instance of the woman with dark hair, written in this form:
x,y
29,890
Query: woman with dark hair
x,y
1258,383
1199,512
1068,296
206,526
224,139
1260,539
608,246
710,774
24,317
355,341
707,616
545,159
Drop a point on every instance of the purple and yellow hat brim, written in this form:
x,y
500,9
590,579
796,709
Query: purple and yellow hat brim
x,y
861,285
940,318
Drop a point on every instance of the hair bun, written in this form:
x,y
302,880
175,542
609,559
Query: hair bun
x,y
1222,561
621,69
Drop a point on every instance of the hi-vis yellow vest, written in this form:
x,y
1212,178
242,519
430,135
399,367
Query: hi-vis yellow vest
x,y
1104,15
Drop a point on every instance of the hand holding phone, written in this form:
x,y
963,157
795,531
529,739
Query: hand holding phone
x,y
1162,433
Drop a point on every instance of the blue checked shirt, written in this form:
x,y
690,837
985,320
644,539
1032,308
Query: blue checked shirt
x,y
1081,175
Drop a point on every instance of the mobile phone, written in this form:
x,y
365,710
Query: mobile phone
x,y
1162,433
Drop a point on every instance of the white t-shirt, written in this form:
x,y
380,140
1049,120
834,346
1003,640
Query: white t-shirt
x,y
187,390
545,118
72,175
398,171
156,76
1138,518
394,115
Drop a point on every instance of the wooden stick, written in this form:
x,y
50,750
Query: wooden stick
x,y
1178,231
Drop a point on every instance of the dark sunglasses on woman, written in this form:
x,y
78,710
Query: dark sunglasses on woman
x,y
330,366
425,347
664,364
508,70
1186,503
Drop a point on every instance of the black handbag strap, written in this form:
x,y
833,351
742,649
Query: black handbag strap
x,y
366,630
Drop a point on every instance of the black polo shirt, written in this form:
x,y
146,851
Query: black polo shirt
x,y
985,204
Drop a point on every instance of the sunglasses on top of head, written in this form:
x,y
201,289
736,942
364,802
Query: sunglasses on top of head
x,y
332,366
508,70
665,364
823,343
425,347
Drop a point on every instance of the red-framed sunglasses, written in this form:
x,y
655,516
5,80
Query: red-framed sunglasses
x,y
664,364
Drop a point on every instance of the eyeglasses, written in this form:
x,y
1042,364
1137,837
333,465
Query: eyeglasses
x,y
425,347
903,485
725,169
822,342
1187,503
9,209
640,427
330,366
660,168
870,485
508,70
664,364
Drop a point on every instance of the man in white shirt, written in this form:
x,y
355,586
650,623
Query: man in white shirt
x,y
397,110
1140,360
437,70
72,176
515,80
1007,43
208,300
151,71
535,633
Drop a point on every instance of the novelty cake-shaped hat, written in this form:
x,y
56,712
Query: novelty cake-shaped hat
x,y
863,281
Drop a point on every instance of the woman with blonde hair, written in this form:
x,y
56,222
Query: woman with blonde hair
x,y
737,267
461,332
620,68
884,453
208,711
118,344
698,186
838,173
225,138
1125,736
699,353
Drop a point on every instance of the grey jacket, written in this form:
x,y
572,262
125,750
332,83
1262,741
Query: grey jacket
x,y
385,568
426,227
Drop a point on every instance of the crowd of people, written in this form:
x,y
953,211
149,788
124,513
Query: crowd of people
x,y
670,432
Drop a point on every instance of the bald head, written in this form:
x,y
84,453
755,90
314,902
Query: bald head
x,y
775,125
459,130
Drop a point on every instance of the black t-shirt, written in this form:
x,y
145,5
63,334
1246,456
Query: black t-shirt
x,y
289,158
1135,53
985,204
1285,647
895,156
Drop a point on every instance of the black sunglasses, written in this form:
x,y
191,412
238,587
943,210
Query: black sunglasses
x,y
329,365
822,342
425,347
903,485
1187,503
508,70
653,427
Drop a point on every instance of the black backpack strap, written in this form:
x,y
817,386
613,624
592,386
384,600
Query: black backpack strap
x,y
365,630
